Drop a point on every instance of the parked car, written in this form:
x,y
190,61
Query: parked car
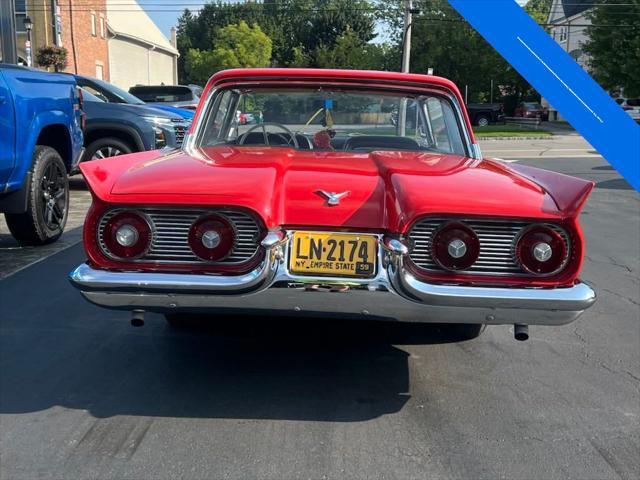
x,y
40,143
118,128
307,220
631,106
109,93
531,110
182,96
483,114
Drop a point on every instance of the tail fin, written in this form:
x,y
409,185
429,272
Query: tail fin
x,y
568,193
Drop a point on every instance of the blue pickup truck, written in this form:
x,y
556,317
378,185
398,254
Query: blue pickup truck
x,y
40,143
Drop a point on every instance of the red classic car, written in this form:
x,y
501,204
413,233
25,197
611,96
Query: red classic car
x,y
326,207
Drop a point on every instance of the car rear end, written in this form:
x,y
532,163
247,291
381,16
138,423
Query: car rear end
x,y
397,235
174,95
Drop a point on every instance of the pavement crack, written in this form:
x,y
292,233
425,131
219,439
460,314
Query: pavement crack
x,y
618,264
580,337
619,295
611,262
543,151
618,372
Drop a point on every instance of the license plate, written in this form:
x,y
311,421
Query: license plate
x,y
337,254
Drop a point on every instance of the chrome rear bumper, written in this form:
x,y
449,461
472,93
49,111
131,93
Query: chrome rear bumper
x,y
393,294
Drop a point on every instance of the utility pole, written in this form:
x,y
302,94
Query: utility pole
x,y
8,48
56,23
406,41
406,58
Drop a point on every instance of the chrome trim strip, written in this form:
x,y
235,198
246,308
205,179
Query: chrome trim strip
x,y
575,298
87,278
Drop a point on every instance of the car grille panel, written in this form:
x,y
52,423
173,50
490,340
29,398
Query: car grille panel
x,y
497,245
170,243
180,132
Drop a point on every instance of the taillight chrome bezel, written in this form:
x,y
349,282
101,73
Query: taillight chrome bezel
x,y
114,250
440,245
523,251
223,227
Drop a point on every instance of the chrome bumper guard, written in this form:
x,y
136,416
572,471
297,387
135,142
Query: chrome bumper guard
x,y
393,294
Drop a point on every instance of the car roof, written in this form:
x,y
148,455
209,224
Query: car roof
x,y
327,74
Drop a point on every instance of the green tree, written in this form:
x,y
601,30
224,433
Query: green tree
x,y
186,23
614,46
539,10
444,41
349,51
300,30
236,46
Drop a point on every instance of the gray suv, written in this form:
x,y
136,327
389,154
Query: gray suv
x,y
182,96
118,128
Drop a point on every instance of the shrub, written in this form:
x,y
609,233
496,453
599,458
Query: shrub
x,y
52,57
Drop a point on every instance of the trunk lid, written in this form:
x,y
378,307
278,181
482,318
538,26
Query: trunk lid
x,y
384,190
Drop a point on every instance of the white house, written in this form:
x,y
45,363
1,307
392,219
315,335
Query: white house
x,y
569,22
139,53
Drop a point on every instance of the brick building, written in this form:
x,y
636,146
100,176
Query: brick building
x,y
80,26
84,35
114,40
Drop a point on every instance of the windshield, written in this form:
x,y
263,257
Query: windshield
x,y
126,97
332,119
87,96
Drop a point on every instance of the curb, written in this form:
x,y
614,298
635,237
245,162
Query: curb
x,y
544,137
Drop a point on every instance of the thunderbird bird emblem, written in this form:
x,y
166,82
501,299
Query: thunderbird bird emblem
x,y
333,198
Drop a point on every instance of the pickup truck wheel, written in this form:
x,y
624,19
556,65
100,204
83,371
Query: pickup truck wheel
x,y
48,201
482,120
106,147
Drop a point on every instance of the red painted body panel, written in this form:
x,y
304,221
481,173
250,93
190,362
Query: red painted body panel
x,y
388,191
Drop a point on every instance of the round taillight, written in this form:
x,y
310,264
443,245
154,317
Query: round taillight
x,y
211,238
455,246
541,250
127,235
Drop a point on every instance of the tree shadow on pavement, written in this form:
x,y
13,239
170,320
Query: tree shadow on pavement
x,y
614,184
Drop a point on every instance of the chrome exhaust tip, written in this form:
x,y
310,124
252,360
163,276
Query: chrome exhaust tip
x,y
137,318
521,332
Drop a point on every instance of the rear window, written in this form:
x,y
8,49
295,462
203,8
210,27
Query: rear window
x,y
162,94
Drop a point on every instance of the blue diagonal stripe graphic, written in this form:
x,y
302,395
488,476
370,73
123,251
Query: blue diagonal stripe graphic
x,y
553,73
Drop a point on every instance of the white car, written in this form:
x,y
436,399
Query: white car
x,y
631,106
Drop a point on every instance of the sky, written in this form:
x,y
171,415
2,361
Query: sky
x,y
165,13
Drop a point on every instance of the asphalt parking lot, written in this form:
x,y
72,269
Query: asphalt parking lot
x,y
85,395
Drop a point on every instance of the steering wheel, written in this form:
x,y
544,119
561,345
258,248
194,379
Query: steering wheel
x,y
264,125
